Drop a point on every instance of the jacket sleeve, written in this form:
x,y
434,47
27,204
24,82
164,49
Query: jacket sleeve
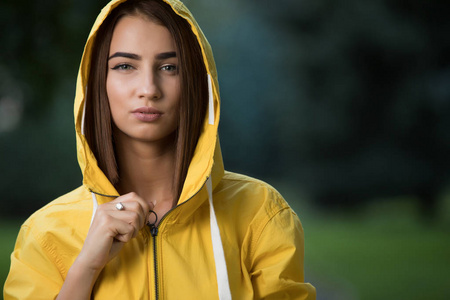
x,y
277,260
33,273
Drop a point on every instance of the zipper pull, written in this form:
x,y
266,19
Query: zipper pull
x,y
153,227
154,230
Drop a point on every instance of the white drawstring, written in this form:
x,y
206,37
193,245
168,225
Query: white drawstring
x,y
211,101
94,206
219,255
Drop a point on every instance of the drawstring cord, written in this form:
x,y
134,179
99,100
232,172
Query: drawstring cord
x,y
219,255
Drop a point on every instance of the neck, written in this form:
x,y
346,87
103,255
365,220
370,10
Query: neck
x,y
147,169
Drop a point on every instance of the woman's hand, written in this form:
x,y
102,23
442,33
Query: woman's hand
x,y
111,228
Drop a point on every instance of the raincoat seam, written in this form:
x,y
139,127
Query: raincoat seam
x,y
49,253
246,179
256,240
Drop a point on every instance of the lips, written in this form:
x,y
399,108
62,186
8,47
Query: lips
x,y
147,110
147,114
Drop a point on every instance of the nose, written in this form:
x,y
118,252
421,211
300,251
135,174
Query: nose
x,y
149,86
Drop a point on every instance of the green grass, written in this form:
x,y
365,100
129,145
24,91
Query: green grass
x,y
384,252
377,263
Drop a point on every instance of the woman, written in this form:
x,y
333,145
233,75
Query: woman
x,y
157,217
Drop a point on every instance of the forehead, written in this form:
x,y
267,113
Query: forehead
x,y
139,34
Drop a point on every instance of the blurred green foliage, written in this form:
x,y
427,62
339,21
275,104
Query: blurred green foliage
x,y
8,233
42,43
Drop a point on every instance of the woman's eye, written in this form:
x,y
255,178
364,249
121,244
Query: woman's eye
x,y
124,67
170,68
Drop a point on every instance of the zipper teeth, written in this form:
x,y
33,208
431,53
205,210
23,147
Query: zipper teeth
x,y
155,264
156,228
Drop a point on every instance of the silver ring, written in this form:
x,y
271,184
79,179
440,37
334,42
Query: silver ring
x,y
119,206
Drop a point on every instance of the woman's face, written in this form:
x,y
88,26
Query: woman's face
x,y
143,84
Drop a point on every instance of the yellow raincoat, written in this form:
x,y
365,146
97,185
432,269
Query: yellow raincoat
x,y
229,236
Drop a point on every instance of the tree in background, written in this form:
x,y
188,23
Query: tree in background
x,y
374,100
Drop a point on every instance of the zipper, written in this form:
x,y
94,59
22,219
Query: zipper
x,y
154,233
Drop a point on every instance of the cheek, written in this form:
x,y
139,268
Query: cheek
x,y
110,89
114,93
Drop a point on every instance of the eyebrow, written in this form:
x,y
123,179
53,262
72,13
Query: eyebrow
x,y
126,55
160,56
166,55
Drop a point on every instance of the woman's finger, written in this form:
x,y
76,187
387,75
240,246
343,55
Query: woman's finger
x,y
129,211
124,231
131,217
130,200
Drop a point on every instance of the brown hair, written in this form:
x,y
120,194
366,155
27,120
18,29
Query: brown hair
x,y
194,89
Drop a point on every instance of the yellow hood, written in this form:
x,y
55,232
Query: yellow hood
x,y
207,159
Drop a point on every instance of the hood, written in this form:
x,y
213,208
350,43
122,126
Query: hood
x,y
207,159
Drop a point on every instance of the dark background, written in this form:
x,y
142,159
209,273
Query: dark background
x,y
343,106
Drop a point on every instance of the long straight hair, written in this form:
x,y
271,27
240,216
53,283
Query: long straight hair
x,y
194,89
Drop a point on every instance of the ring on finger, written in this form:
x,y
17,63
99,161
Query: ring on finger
x,y
119,206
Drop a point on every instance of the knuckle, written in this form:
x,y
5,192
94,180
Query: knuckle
x,y
132,205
